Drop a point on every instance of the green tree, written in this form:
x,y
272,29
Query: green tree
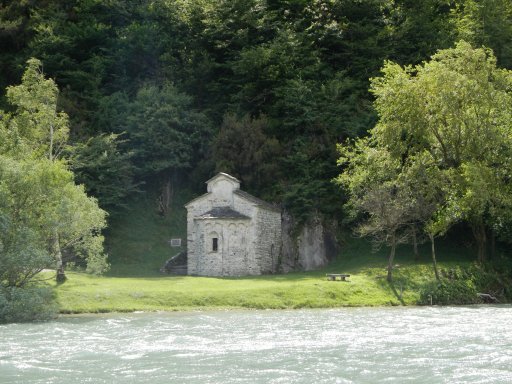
x,y
243,149
485,22
23,252
165,132
58,213
427,191
457,107
393,201
415,29
37,127
379,197
40,201
105,169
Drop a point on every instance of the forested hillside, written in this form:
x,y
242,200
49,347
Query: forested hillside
x,y
164,93
169,91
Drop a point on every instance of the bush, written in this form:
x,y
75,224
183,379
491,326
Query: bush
x,y
449,292
461,285
26,304
495,278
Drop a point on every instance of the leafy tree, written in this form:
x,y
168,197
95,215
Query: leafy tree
x,y
167,135
37,127
23,252
416,29
105,169
485,22
43,204
439,153
40,201
29,217
378,193
242,148
427,189
457,107
393,201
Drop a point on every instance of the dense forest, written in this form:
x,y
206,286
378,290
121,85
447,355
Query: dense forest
x,y
173,90
160,94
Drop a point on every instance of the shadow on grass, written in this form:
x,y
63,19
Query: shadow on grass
x,y
357,257
398,293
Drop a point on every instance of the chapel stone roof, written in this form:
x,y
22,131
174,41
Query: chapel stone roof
x,y
222,174
239,192
222,213
256,200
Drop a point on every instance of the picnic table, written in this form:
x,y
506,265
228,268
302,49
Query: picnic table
x,y
335,276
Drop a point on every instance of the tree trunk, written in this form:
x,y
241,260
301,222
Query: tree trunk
x,y
61,276
481,239
164,200
434,260
493,246
415,243
50,150
391,258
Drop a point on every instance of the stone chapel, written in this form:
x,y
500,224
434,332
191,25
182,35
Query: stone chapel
x,y
230,232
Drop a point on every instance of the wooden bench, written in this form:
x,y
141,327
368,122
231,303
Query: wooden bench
x,y
334,276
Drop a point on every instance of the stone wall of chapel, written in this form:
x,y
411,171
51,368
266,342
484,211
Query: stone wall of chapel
x,y
268,243
195,209
233,256
208,261
245,247
238,255
244,206
250,210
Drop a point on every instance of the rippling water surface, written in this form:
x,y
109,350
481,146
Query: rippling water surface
x,y
359,345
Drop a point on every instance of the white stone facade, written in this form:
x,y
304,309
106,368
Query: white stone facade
x,y
230,232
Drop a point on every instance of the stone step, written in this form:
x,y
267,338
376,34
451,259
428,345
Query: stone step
x,y
178,270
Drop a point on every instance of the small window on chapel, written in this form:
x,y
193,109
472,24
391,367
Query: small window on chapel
x,y
215,244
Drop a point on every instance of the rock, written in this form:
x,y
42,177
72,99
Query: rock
x,y
487,298
306,248
176,265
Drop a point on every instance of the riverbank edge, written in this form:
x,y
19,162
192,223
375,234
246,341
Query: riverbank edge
x,y
184,309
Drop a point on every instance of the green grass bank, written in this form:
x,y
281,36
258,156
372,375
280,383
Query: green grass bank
x,y
137,243
152,291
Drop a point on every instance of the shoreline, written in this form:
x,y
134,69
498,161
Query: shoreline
x,y
229,309
240,309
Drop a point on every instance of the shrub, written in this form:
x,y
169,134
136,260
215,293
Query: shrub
x,y
493,278
26,304
449,292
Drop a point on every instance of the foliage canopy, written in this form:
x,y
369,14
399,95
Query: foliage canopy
x,y
450,119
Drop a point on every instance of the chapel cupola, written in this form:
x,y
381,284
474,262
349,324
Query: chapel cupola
x,y
222,186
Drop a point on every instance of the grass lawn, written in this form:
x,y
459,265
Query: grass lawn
x,y
151,291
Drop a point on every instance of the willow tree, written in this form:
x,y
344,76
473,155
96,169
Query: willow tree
x,y
458,108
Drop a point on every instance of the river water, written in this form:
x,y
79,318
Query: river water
x,y
352,345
